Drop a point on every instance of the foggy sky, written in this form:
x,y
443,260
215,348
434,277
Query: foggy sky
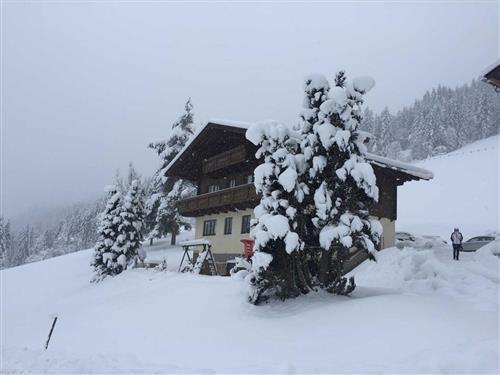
x,y
87,85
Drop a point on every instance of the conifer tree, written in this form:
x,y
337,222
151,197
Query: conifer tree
x,y
105,257
279,268
23,245
161,204
5,242
385,132
316,88
348,187
129,239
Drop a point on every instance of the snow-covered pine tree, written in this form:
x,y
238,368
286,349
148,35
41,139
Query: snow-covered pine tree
x,y
129,240
348,186
5,242
279,268
385,132
105,258
23,245
316,88
161,204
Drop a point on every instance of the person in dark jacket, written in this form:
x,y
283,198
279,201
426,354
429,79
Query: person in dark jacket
x,y
456,240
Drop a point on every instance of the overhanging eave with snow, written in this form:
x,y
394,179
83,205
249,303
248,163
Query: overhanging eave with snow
x,y
220,161
492,74
404,171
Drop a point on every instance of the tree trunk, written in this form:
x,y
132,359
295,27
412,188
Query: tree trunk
x,y
324,268
173,238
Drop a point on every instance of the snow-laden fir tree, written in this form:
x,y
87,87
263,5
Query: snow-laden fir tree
x,y
5,242
129,240
279,268
166,191
384,133
24,243
316,88
347,184
105,261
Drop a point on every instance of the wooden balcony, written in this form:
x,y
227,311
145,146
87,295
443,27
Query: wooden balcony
x,y
221,162
236,198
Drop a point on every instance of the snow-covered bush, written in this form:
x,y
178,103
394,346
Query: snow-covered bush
x,y
163,266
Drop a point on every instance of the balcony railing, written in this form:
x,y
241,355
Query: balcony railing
x,y
224,160
236,198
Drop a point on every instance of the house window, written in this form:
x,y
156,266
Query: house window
x,y
209,228
213,188
232,183
249,178
245,224
228,225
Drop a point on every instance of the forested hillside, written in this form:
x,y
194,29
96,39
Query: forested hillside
x,y
442,121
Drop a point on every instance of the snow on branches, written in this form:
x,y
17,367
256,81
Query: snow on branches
x,y
349,182
120,236
105,259
161,210
317,189
274,230
276,180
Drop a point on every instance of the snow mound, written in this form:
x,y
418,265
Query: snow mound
x,y
485,252
425,271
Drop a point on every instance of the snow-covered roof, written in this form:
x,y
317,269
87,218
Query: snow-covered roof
x,y
490,67
376,159
234,124
400,166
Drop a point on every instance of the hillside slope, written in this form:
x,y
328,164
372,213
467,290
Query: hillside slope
x,y
413,311
463,193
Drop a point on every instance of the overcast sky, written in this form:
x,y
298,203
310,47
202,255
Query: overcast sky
x,y
87,85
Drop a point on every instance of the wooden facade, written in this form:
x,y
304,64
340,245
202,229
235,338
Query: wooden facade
x,y
221,162
225,200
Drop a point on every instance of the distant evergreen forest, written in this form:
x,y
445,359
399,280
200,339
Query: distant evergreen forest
x,y
442,121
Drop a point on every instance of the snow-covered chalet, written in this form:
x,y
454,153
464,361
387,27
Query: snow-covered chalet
x,y
220,161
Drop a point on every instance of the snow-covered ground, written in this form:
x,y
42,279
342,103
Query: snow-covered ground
x,y
464,193
413,311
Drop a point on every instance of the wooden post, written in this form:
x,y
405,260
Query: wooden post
x,y
50,333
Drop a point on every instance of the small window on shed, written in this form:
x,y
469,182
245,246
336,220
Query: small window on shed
x,y
232,183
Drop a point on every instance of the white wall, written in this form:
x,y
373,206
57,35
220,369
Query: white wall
x,y
224,243
230,243
388,236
